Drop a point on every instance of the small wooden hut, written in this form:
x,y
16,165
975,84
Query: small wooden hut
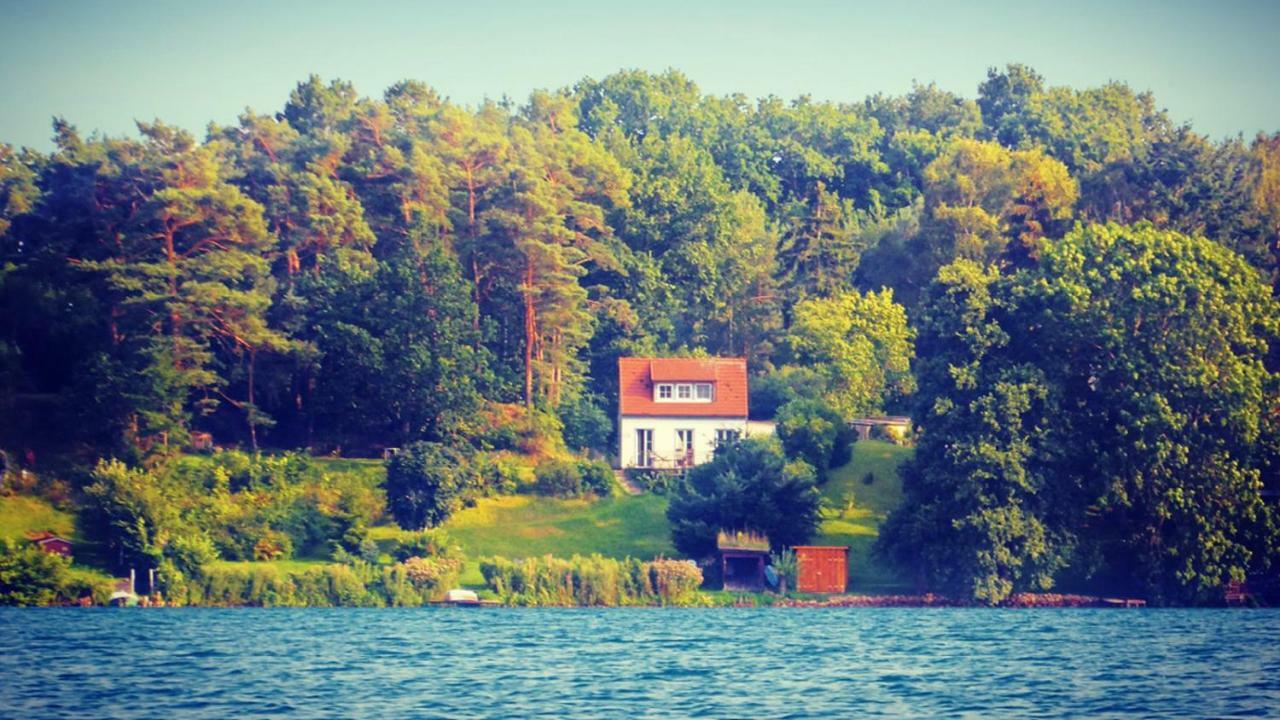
x,y
51,543
743,556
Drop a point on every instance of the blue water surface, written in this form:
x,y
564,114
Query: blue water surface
x,y
732,663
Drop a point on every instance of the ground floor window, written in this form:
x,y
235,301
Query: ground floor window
x,y
727,437
684,447
644,447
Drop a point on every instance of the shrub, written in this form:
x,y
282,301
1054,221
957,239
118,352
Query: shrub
x,y
273,545
499,474
559,478
748,485
784,562
427,482
526,430
426,543
658,482
675,582
597,477
812,431
30,576
433,577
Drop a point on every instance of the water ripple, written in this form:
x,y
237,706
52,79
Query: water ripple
x,y
863,662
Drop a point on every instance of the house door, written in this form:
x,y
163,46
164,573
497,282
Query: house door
x,y
684,448
644,448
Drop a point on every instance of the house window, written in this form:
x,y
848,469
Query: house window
x,y
727,437
684,448
684,392
644,448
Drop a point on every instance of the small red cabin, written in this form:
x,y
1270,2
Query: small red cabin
x,y
51,543
822,569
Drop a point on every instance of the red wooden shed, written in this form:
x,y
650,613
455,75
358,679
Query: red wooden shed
x,y
822,569
51,543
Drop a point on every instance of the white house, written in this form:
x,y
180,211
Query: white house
x,y
673,412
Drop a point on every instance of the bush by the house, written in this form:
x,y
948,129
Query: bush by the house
x,y
813,431
597,477
559,478
573,478
658,482
591,581
749,485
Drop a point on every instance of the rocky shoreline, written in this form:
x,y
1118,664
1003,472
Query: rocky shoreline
x,y
1018,600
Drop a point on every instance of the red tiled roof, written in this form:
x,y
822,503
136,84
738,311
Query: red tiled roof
x,y
637,375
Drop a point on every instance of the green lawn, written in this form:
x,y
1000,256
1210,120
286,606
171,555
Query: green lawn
x,y
525,526
858,526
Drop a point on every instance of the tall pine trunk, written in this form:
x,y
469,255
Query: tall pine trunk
x,y
530,333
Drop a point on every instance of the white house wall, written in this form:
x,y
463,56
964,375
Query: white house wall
x,y
664,437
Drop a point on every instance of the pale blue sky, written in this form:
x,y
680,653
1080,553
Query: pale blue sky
x,y
104,64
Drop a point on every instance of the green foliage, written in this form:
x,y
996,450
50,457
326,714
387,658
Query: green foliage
x,y
559,478
658,482
597,477
771,391
427,482
812,431
748,486
1101,411
369,324
586,425
572,478
862,344
591,581
30,576
434,542
413,581
354,273
785,564
194,510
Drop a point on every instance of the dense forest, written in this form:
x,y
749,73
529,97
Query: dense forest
x,y
1074,296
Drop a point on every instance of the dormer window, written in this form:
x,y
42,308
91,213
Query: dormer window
x,y
684,392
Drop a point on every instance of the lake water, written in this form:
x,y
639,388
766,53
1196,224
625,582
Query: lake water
x,y
863,662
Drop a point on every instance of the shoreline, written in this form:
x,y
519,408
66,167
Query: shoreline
x,y
1021,601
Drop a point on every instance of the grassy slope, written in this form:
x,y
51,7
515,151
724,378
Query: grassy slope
x,y
20,514
524,526
527,525
859,526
